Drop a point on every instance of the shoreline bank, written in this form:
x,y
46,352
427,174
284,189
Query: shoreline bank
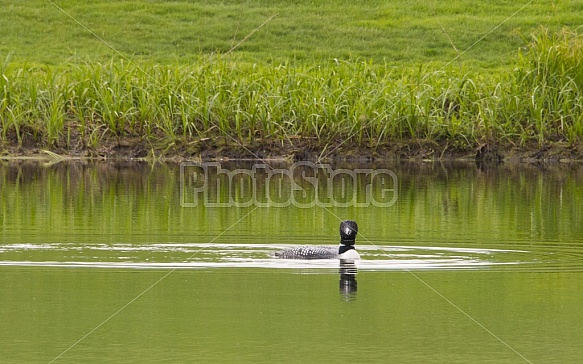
x,y
300,149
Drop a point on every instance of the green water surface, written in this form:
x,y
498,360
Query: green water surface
x,y
103,262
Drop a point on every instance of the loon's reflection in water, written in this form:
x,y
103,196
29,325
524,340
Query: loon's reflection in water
x,y
348,285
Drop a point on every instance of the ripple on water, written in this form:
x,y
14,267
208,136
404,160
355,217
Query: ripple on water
x,y
200,256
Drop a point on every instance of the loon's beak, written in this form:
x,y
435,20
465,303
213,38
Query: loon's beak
x,y
347,230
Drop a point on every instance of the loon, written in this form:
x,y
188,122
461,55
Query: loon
x,y
348,231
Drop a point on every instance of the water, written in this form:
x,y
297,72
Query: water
x,y
110,262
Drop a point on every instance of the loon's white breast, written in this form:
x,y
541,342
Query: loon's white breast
x,y
350,254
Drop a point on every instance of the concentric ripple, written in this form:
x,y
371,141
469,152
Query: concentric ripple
x,y
196,256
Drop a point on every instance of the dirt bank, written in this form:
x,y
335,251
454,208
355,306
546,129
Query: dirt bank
x,y
297,148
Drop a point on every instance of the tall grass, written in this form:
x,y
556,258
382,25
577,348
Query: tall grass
x,y
552,77
361,101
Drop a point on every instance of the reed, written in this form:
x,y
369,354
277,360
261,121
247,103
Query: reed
x,y
364,102
551,76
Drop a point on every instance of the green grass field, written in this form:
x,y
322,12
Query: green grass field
x,y
405,32
460,73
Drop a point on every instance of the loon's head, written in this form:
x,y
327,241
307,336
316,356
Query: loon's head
x,y
348,231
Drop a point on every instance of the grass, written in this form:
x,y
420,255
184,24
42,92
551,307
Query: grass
x,y
405,32
367,72
360,101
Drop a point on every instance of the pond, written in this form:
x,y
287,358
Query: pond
x,y
136,262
